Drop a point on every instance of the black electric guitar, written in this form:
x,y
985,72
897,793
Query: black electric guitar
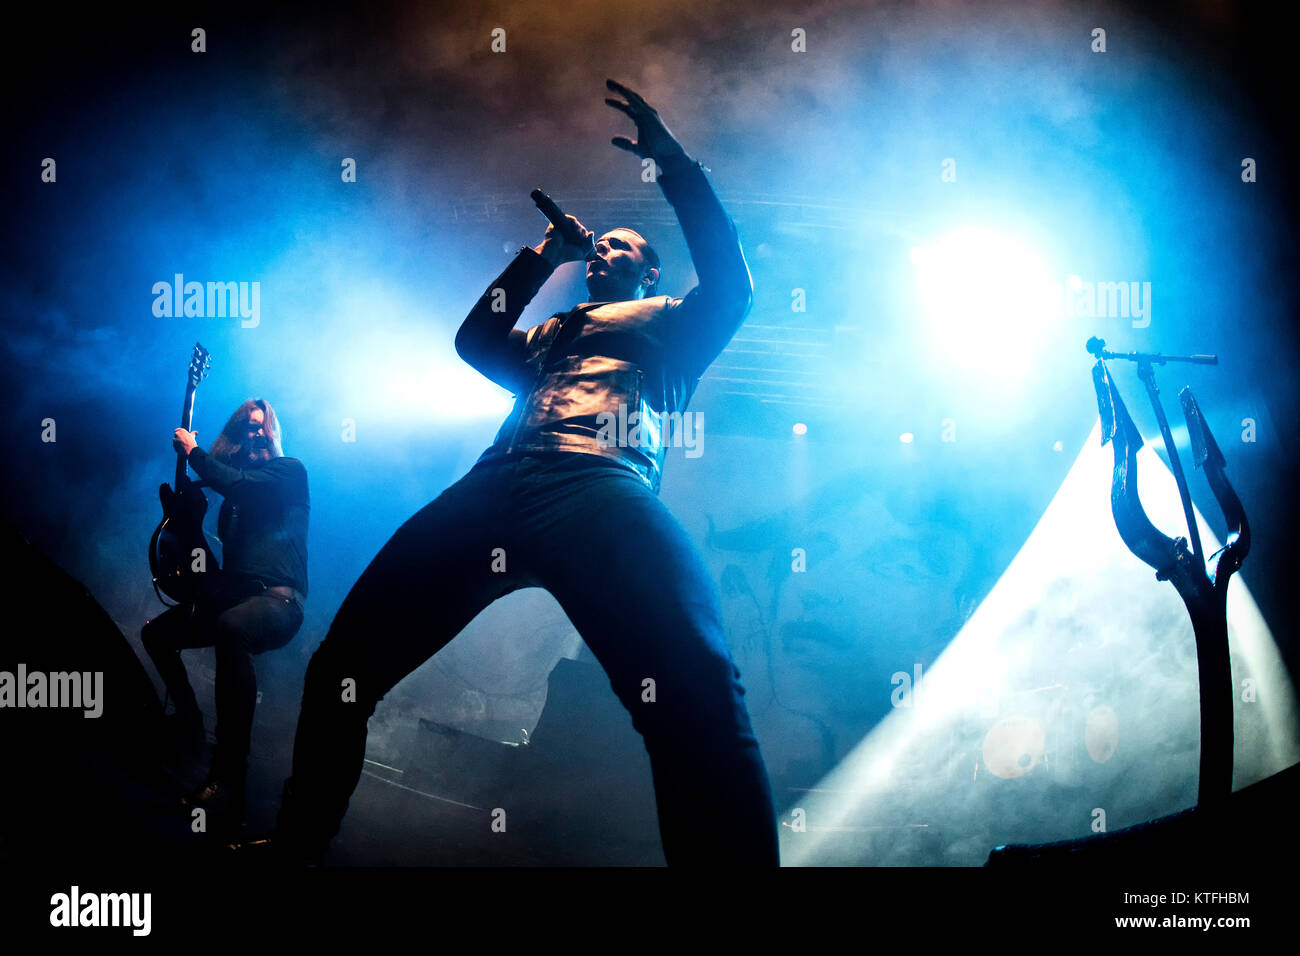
x,y
174,556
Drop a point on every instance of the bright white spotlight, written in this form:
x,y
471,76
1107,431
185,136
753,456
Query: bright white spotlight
x,y
415,376
800,428
441,391
407,365
906,438
986,298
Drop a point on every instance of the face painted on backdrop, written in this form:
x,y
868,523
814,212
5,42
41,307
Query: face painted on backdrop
x,y
878,596
879,591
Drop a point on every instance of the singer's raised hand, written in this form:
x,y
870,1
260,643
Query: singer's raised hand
x,y
653,140
555,250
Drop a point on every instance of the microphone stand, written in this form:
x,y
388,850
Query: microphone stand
x,y
1203,594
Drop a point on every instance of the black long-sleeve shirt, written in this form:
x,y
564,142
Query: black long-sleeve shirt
x,y
263,519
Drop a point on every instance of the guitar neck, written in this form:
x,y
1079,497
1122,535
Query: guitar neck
x,y
187,416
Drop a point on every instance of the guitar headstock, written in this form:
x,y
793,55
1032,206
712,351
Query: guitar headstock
x,y
200,362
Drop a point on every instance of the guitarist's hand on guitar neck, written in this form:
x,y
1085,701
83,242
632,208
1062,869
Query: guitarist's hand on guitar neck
x,y
184,442
179,536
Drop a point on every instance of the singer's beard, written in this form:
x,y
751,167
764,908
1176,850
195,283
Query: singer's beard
x,y
607,287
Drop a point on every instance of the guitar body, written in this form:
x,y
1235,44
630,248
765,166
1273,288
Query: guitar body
x,y
180,556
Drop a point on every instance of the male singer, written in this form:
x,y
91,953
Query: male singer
x,y
573,510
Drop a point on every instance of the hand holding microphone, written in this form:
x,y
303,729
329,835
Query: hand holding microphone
x,y
566,240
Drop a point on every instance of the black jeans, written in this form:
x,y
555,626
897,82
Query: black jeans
x,y
629,579
238,625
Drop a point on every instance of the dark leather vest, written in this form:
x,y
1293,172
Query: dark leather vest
x,y
610,390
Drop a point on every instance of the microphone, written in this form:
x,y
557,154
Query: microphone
x,y
565,228
1097,347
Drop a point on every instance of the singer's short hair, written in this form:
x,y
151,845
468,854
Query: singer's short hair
x,y
651,259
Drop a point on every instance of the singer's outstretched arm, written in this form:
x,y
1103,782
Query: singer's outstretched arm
x,y
706,319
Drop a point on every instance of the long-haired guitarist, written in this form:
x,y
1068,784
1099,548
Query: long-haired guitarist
x,y
255,604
